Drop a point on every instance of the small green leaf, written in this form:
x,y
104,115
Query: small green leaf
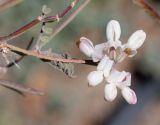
x,y
46,10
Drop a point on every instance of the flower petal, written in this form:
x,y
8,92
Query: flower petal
x,y
120,55
126,81
115,44
111,43
113,30
132,53
96,56
101,47
118,43
102,63
110,91
129,51
112,53
108,67
95,77
86,46
99,51
129,95
136,39
116,76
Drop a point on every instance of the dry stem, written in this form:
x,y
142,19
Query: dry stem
x,y
38,54
70,18
150,9
36,21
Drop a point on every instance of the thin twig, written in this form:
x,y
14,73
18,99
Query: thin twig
x,y
70,18
150,9
36,21
22,56
39,55
46,19
20,88
5,4
46,57
90,62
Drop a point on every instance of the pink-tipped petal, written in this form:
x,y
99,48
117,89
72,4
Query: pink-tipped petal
x,y
125,82
110,91
113,30
129,95
86,46
95,77
136,39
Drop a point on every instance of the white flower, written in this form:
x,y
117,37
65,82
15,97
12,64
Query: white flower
x,y
96,53
113,48
109,54
103,69
121,80
113,32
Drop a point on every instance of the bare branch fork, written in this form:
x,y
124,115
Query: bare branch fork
x,y
25,28
36,21
22,56
39,54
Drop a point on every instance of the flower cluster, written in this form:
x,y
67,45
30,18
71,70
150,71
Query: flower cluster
x,y
108,54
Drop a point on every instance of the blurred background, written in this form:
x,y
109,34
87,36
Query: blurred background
x,y
70,101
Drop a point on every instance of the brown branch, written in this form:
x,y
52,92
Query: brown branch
x,y
148,7
5,4
45,19
70,18
19,31
38,54
36,21
43,56
90,62
20,88
22,56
